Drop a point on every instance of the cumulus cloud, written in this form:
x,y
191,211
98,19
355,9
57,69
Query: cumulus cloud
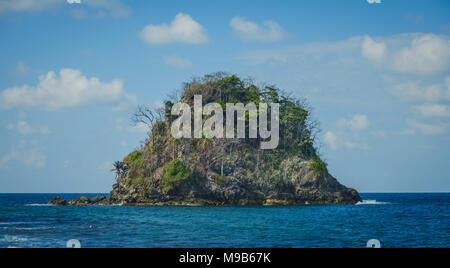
x,y
331,139
420,91
348,133
330,65
429,129
416,54
102,8
433,110
373,50
67,89
183,29
345,140
427,54
357,122
178,62
27,5
246,30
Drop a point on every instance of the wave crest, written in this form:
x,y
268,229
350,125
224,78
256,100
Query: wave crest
x,y
371,202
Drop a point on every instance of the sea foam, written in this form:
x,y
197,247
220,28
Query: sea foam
x,y
371,202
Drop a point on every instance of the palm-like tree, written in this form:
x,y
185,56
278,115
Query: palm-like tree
x,y
119,168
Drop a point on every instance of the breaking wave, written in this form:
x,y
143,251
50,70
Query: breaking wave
x,y
371,202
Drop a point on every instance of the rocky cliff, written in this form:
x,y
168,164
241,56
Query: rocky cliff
x,y
169,171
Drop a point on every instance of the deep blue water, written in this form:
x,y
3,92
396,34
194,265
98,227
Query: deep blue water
x,y
396,220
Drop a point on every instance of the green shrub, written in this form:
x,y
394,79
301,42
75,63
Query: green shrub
x,y
320,166
194,154
219,179
176,171
135,158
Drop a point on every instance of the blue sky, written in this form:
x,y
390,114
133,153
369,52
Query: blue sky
x,y
376,74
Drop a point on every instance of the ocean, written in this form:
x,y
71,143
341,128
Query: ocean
x,y
395,220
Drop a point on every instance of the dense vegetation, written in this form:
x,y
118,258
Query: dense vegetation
x,y
163,161
218,171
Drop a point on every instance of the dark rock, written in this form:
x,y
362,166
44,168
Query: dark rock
x,y
57,201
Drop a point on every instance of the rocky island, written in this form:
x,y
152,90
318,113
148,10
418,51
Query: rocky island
x,y
213,171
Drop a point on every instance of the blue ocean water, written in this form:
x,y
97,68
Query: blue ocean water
x,y
396,220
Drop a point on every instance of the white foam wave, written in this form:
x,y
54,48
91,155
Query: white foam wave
x,y
38,205
14,239
371,202
34,228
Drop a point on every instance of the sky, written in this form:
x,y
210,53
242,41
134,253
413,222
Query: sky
x,y
375,72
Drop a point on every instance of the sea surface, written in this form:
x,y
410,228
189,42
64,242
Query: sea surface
x,y
396,220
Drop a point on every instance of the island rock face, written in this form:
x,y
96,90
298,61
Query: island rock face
x,y
169,171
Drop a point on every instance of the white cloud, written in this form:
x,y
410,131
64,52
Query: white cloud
x,y
68,89
331,140
251,31
114,8
374,1
12,155
433,110
410,54
102,8
406,132
418,91
373,50
24,128
35,159
300,55
27,5
28,153
428,128
357,122
379,134
347,133
413,90
427,54
178,62
415,54
183,29
340,139
22,69
44,130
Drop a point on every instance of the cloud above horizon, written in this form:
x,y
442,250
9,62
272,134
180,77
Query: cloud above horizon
x,y
29,153
414,54
357,122
246,30
66,89
347,133
410,70
102,8
182,29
